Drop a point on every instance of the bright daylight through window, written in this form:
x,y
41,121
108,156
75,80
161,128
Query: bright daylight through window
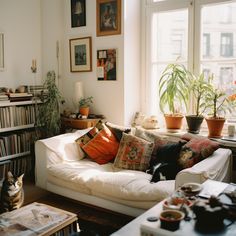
x,y
201,34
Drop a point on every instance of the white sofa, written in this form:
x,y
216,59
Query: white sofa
x,y
60,169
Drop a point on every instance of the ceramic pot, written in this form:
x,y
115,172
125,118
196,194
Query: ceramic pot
x,y
194,123
174,121
84,111
215,127
170,219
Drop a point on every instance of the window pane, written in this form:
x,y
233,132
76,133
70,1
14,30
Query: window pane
x,y
218,52
168,44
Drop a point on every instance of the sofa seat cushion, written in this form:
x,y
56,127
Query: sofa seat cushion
x,y
111,182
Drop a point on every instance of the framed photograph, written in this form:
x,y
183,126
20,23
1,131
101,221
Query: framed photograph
x,y
78,13
80,54
108,17
1,51
106,64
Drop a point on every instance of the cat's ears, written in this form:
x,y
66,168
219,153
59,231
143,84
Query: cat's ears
x,y
9,174
21,177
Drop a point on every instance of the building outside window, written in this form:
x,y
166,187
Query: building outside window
x,y
206,43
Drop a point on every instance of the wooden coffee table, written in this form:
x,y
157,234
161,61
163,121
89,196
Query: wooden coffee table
x,y
37,219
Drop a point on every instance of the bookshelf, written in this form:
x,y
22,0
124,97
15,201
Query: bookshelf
x,y
17,122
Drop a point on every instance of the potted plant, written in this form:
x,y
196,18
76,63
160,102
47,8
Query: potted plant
x,y
48,119
174,94
218,104
84,105
199,87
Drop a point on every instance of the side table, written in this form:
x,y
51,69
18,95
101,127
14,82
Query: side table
x,y
72,123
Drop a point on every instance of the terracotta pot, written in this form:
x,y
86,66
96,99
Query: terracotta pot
x,y
84,111
174,121
194,123
215,126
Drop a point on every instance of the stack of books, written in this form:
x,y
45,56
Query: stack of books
x,y
3,97
38,90
16,97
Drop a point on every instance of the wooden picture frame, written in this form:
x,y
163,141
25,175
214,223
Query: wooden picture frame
x,y
108,17
106,65
1,51
81,54
78,13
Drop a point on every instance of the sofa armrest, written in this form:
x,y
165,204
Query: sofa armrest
x,y
218,167
54,150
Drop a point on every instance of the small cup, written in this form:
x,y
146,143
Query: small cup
x,y
231,130
170,219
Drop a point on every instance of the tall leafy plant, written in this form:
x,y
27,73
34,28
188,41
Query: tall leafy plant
x,y
174,87
49,120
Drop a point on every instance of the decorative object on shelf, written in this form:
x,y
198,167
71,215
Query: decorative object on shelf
x,y
199,87
138,119
49,119
84,106
1,51
108,17
218,104
78,13
78,94
106,64
81,54
174,94
231,130
150,123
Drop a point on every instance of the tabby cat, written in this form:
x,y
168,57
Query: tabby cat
x,y
12,193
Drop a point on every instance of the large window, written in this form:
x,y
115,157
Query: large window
x,y
200,33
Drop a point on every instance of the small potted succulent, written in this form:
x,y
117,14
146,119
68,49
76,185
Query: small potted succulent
x,y
84,105
217,104
199,87
174,94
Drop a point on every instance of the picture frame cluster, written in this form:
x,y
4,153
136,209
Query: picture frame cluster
x,y
108,22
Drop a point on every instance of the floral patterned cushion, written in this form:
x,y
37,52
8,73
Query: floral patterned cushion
x,y
196,150
99,144
134,153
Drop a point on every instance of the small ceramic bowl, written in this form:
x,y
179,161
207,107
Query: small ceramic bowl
x,y
191,189
170,219
176,203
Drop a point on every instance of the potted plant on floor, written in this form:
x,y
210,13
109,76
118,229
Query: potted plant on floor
x,y
174,94
218,104
199,87
84,105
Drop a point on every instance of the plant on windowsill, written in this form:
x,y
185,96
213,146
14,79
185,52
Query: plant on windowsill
x,y
218,104
199,87
84,105
49,120
174,90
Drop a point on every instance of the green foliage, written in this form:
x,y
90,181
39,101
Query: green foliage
x,y
174,87
199,87
49,120
85,102
217,102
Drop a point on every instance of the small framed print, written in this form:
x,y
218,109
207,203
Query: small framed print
x,y
108,17
78,13
106,64
80,54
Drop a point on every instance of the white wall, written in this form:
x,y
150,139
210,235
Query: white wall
x,y
20,23
32,29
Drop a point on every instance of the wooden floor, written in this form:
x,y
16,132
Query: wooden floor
x,y
98,220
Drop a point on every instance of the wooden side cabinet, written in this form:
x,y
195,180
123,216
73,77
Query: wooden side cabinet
x,y
72,123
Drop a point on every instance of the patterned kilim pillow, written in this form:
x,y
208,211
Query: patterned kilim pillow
x,y
99,144
134,153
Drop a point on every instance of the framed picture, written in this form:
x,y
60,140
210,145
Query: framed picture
x,y
108,17
106,64
1,51
78,13
80,54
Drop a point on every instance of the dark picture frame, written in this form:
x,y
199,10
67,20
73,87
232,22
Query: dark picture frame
x,y
108,17
80,54
106,64
78,13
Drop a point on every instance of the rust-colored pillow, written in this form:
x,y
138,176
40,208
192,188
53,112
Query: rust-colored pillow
x,y
134,153
99,144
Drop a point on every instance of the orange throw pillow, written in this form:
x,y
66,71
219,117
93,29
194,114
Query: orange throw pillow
x,y
99,144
